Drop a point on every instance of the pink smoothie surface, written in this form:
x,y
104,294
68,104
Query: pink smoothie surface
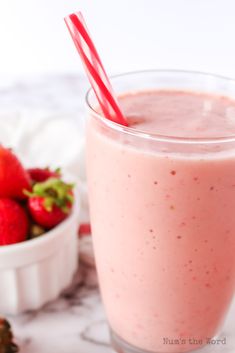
x,y
180,114
163,219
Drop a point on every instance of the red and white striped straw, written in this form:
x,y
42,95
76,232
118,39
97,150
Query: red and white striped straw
x,y
94,68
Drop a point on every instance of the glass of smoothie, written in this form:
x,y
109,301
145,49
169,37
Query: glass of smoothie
x,y
162,207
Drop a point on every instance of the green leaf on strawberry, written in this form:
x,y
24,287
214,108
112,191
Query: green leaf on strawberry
x,y
50,201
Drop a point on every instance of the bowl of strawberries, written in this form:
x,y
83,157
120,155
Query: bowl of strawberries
x,y
39,217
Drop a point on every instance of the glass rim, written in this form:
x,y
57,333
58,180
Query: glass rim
x,y
155,136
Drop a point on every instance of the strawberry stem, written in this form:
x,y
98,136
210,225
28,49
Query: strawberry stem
x,y
54,191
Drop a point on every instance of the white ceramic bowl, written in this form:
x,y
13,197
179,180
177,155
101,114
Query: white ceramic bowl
x,y
35,272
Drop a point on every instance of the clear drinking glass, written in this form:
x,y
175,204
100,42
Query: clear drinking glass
x,y
163,225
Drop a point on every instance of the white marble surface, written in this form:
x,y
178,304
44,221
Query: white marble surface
x,y
75,322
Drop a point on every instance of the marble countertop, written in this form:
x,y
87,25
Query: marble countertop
x,y
75,322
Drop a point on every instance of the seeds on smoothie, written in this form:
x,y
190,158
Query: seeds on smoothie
x,y
211,188
172,207
173,172
155,182
179,237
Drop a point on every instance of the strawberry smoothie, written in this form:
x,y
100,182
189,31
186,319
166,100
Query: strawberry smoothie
x,y
162,203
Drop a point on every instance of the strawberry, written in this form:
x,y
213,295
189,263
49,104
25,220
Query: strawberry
x,y
50,202
13,177
84,229
6,337
42,174
13,222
